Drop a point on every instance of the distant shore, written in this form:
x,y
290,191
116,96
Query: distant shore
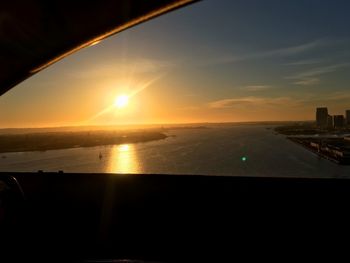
x,y
309,129
64,140
159,127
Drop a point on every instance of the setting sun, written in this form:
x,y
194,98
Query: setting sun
x,y
121,101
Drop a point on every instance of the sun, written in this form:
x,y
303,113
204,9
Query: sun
x,y
121,101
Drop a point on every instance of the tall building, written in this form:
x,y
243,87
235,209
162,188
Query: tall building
x,y
338,121
321,116
347,117
330,124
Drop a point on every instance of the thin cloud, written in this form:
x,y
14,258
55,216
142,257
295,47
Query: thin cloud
x,y
304,62
279,52
251,101
256,87
320,71
264,103
310,77
297,49
307,82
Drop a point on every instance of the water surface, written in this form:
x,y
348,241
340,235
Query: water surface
x,y
246,150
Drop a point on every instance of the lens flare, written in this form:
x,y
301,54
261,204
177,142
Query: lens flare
x,y
121,101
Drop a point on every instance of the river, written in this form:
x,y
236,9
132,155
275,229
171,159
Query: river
x,y
237,150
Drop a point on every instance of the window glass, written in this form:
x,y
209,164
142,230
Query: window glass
x,y
238,88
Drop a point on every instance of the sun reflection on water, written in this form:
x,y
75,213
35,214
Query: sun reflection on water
x,y
123,159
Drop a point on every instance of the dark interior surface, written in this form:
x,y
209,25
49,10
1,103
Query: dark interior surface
x,y
171,218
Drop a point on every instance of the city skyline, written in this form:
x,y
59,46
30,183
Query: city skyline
x,y
232,61
326,120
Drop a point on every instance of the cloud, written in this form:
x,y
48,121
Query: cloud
x,y
297,48
307,81
256,87
251,101
310,77
303,62
305,102
321,70
279,52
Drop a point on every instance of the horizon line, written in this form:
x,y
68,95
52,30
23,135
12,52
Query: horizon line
x,y
151,124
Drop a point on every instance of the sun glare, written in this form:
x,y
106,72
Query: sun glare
x,y
121,101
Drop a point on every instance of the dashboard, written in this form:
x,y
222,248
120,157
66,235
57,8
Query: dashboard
x,y
166,218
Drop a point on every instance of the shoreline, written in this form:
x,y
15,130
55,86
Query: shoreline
x,y
314,151
329,144
39,142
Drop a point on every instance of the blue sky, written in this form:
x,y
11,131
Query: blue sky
x,y
217,60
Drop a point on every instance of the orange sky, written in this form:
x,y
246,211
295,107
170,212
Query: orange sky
x,y
181,68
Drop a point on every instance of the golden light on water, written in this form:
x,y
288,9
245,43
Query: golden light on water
x,y
124,159
124,148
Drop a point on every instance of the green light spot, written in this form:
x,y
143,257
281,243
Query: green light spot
x,y
244,158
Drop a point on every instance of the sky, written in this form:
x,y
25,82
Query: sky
x,y
213,61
